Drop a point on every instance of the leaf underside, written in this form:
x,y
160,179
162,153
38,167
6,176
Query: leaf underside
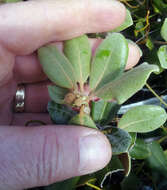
x,y
78,52
56,66
127,84
109,61
143,119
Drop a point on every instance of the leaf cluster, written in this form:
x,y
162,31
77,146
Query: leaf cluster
x,y
89,90
99,85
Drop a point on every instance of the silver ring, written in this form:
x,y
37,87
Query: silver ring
x,y
19,102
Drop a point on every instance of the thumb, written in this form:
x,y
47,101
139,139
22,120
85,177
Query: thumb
x,y
40,156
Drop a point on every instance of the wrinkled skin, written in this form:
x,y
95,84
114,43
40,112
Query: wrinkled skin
x,y
36,156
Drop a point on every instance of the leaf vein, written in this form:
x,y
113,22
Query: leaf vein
x,y
68,78
135,122
105,67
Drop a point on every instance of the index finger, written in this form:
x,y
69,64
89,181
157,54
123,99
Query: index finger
x,y
25,26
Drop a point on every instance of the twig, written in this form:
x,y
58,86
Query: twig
x,y
155,94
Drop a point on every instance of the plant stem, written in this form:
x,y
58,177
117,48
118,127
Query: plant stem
x,y
156,95
81,85
160,42
164,129
93,186
162,139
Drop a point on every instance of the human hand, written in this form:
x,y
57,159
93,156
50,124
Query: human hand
x,y
38,156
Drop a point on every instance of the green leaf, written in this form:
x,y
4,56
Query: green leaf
x,y
60,114
127,23
162,55
103,112
165,152
160,5
57,94
68,184
56,66
78,51
140,150
150,44
157,161
120,140
138,27
109,61
127,84
164,30
84,120
143,119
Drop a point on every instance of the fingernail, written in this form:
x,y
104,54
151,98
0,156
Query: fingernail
x,y
95,153
114,10
108,14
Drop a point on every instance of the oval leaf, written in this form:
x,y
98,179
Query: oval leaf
x,y
128,84
78,51
162,55
164,30
56,66
127,23
109,61
140,150
57,94
84,120
143,119
119,139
